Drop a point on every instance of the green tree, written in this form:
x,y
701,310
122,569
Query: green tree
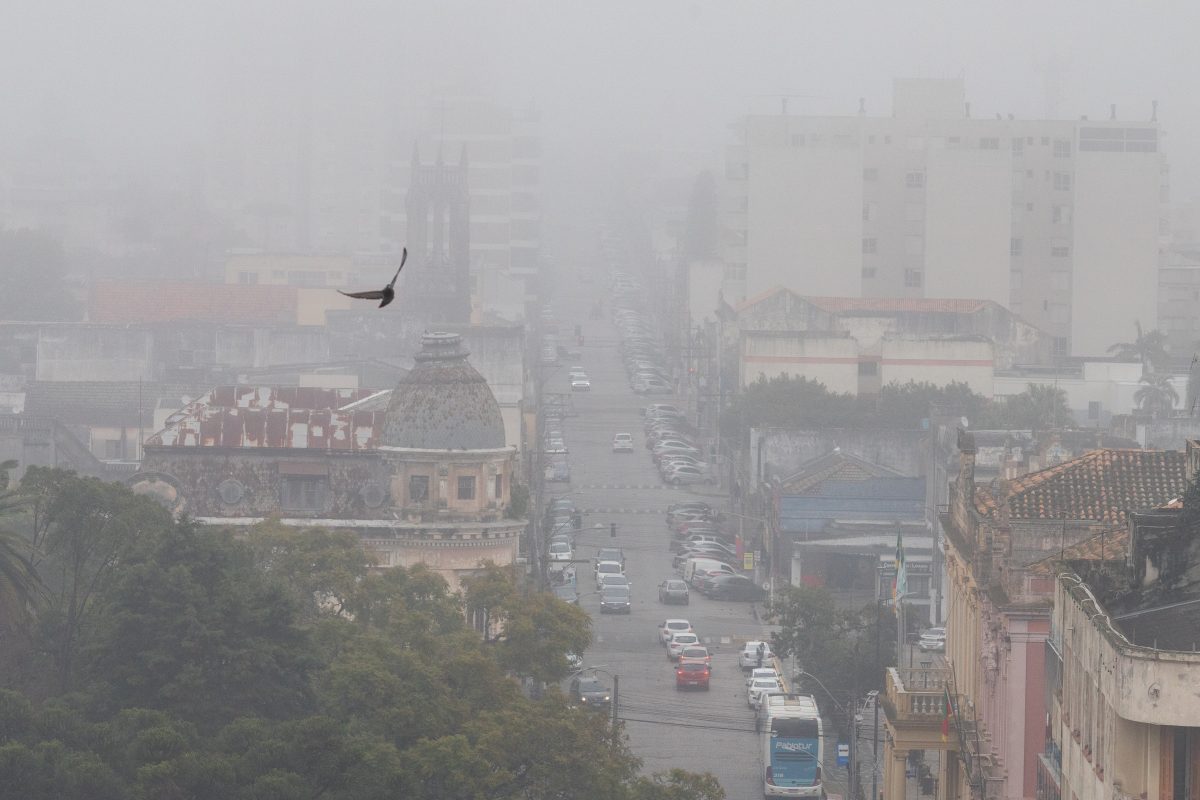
x,y
32,286
539,631
1149,349
1157,395
322,568
677,784
1039,407
190,626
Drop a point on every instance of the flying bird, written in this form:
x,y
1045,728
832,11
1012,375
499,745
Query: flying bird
x,y
385,295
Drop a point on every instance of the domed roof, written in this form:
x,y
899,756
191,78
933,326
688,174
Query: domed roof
x,y
443,403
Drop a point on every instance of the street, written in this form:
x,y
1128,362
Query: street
x,y
700,731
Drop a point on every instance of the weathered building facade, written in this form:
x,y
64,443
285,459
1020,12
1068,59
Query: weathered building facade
x,y
422,473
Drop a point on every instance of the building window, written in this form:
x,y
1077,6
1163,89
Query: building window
x,y
1062,181
870,174
498,487
418,488
1062,148
466,487
913,278
1018,146
1060,250
868,369
303,492
869,245
1015,246
248,277
735,272
989,143
870,212
1061,215
914,180
1061,346
1093,409
797,140
868,272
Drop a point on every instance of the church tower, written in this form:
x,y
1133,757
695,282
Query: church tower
x,y
436,285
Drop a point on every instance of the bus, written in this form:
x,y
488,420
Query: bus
x,y
793,747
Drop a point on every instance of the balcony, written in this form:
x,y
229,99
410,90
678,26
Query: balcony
x,y
917,695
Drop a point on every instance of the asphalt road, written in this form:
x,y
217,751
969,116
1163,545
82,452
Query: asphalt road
x,y
695,730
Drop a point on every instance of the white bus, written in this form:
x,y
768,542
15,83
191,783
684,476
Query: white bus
x,y
793,747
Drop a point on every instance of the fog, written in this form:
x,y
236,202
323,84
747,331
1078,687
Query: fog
x,y
146,88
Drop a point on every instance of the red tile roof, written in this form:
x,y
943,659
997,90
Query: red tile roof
x,y
124,303
896,305
284,417
1108,546
1103,485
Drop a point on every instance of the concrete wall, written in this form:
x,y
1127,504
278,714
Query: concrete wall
x,y
939,361
968,223
832,360
94,353
784,451
1115,278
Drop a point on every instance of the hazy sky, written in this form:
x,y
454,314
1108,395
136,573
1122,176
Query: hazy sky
x,y
143,80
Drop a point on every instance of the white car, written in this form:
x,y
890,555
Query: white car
x,y
760,687
607,568
682,474
608,580
670,627
561,551
748,656
581,385
763,672
679,641
622,443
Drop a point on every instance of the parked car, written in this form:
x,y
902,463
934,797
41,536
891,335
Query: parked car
x,y
622,443
615,600
692,675
670,627
735,587
590,691
667,407
673,591
761,672
682,475
561,551
696,568
653,386
581,385
748,656
759,687
678,641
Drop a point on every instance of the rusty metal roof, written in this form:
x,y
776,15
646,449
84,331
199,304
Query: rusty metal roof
x,y
273,417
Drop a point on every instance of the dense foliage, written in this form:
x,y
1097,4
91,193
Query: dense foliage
x,y
847,650
804,404
155,658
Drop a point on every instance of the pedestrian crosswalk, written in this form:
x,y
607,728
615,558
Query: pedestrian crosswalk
x,y
598,486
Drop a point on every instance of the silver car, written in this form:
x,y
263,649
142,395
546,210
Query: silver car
x,y
673,591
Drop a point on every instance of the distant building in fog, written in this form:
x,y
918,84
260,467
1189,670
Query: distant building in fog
x,y
1058,220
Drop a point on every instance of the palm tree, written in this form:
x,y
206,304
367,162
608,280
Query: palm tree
x,y
1149,348
1157,395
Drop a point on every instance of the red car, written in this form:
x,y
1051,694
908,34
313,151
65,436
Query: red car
x,y
692,674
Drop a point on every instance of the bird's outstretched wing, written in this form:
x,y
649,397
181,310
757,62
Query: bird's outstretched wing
x,y
372,295
403,258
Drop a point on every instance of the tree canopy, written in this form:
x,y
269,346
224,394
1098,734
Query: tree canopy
x,y
805,404
278,663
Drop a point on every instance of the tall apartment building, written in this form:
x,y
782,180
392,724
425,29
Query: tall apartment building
x,y
504,156
1058,220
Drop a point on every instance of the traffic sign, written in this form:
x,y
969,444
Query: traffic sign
x,y
843,754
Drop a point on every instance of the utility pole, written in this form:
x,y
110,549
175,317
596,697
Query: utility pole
x,y
875,728
852,777
616,699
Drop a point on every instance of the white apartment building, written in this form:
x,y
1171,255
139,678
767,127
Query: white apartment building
x,y
503,153
1057,220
